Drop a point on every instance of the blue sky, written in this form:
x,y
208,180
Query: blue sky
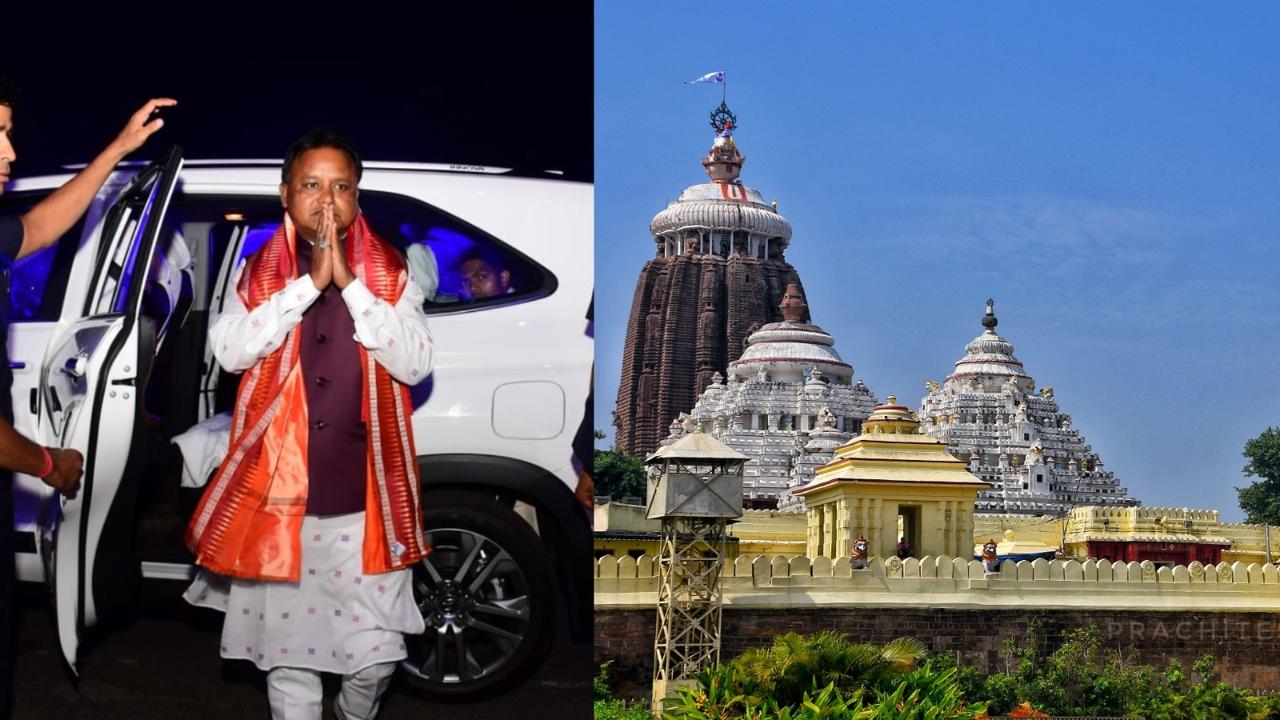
x,y
1107,172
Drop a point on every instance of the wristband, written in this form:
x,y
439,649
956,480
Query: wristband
x,y
48,463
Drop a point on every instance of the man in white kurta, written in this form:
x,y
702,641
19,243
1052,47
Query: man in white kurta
x,y
335,618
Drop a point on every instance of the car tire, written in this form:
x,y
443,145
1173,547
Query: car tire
x,y
487,594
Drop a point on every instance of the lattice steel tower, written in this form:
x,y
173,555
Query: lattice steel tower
x,y
695,487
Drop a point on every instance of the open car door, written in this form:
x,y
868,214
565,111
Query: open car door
x,y
92,386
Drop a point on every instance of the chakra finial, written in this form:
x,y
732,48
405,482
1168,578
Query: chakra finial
x,y
723,162
989,320
723,120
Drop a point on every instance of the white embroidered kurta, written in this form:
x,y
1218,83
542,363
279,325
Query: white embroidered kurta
x,y
335,619
391,334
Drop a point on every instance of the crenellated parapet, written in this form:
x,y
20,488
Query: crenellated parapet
x,y
943,581
1146,524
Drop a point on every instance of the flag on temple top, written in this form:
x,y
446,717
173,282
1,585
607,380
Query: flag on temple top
x,y
711,77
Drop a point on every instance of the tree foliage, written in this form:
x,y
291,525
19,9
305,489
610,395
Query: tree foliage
x,y
618,474
1261,500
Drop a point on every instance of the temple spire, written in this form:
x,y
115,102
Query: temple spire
x,y
989,320
723,162
793,306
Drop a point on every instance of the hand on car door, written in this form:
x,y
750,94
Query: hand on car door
x,y
68,466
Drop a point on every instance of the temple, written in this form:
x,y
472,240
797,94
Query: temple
x,y
891,484
989,414
718,275
789,402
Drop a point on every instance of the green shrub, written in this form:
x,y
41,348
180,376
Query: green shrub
x,y
619,710
721,692
715,700
606,707
828,704
799,664
1081,677
825,676
1001,692
925,694
600,683
969,678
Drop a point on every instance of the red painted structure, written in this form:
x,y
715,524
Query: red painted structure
x,y
1179,553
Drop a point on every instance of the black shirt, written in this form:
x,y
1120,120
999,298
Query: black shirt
x,y
10,244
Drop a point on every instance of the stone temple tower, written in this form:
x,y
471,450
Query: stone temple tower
x,y
718,275
989,413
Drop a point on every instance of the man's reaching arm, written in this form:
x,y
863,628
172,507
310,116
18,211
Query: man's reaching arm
x,y
47,221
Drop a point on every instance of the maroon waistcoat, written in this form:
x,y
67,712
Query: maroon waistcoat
x,y
331,367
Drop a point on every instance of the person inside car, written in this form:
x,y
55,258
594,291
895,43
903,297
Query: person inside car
x,y
307,531
39,228
484,274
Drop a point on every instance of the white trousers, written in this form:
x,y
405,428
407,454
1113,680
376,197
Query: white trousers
x,y
296,693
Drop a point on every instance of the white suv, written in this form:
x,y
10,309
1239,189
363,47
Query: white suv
x,y
109,356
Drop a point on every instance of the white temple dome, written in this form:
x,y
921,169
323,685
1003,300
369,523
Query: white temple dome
x,y
785,351
722,206
990,356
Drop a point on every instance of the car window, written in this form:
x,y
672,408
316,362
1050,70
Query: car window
x,y
460,267
38,282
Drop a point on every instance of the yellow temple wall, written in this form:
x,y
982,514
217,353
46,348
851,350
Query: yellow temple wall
x,y
623,547
946,582
1040,529
770,532
1146,521
759,532
618,516
1248,543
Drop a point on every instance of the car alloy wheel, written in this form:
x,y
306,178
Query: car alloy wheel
x,y
483,592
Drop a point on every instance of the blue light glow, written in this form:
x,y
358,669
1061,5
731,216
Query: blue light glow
x,y
257,236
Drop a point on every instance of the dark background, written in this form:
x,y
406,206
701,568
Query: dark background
x,y
500,85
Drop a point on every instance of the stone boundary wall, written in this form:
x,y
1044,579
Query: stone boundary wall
x,y
944,582
1245,644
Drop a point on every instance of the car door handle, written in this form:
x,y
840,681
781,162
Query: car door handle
x,y
75,366
17,365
